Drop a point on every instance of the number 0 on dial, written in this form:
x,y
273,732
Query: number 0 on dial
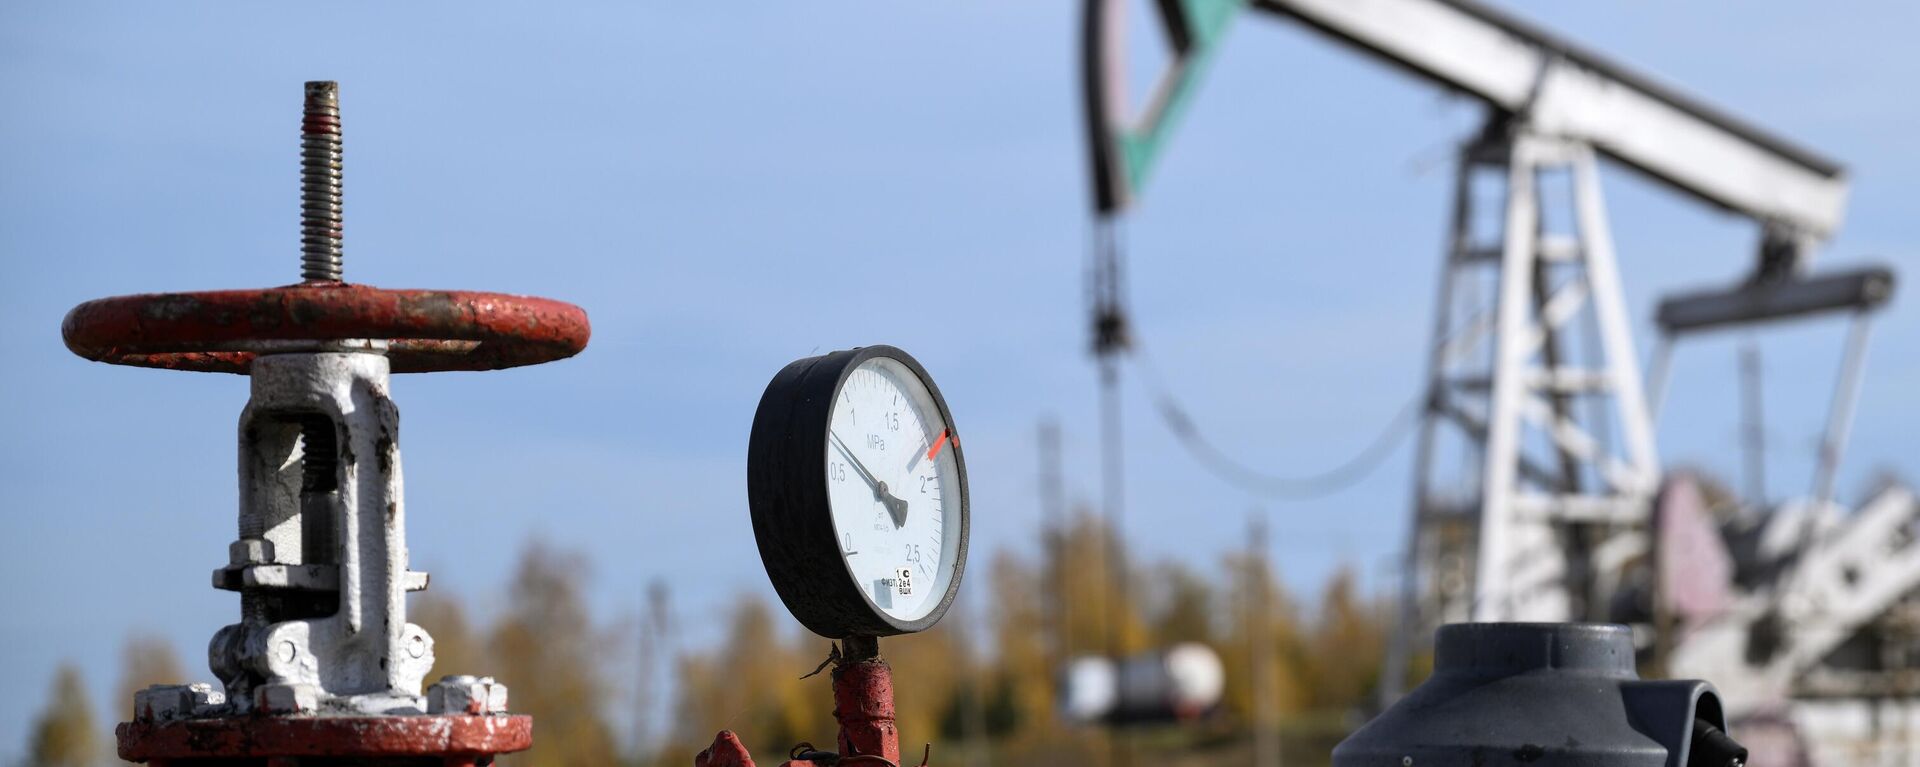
x,y
859,493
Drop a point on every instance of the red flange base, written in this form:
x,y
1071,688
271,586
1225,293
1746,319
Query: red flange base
x,y
456,740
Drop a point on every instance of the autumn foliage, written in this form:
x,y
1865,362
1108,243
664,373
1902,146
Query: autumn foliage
x,y
980,686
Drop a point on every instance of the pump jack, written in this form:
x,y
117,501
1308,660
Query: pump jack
x,y
1558,511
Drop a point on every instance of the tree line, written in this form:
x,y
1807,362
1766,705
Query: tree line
x,y
980,686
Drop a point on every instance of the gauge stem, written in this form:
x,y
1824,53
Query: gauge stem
x,y
859,647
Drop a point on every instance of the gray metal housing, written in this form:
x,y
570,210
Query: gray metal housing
x,y
1538,694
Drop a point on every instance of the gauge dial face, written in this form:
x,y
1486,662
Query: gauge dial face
x,y
890,466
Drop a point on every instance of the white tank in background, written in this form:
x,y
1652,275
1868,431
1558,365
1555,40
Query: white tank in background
x,y
1172,684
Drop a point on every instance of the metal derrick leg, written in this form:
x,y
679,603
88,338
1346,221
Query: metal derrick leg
x,y
1550,497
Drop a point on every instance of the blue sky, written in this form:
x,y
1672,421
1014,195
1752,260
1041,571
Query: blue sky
x,y
727,187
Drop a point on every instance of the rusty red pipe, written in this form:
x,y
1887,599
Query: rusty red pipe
x,y
863,705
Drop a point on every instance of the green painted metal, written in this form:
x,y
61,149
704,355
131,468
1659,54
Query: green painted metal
x,y
1204,24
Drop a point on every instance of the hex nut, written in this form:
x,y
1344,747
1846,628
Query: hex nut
x,y
286,698
160,703
167,702
463,694
250,551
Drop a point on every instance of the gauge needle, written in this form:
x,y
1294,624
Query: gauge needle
x,y
896,508
932,451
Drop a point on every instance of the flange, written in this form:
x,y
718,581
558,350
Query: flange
x,y
457,738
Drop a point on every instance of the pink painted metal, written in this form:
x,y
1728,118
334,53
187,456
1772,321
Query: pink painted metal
x,y
1695,569
426,330
726,751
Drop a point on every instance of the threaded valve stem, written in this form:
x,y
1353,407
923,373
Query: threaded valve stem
x,y
320,219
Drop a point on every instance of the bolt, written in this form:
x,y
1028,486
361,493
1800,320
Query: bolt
x,y
249,551
467,695
286,698
165,702
320,220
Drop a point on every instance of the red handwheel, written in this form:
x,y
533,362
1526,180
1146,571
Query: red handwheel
x,y
422,331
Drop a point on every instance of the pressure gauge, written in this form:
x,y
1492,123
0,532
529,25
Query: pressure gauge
x,y
858,491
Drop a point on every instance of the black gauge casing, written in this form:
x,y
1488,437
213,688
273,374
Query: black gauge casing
x,y
792,514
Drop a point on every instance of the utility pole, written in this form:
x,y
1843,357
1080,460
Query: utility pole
x,y
1266,733
1053,535
1110,340
974,719
1753,430
653,646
